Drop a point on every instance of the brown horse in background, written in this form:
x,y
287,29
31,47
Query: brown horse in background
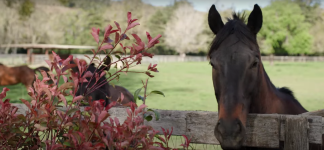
x,y
241,84
106,92
18,74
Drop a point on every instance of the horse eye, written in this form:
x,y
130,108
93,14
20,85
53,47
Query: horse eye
x,y
255,63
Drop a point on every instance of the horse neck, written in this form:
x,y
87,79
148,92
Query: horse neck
x,y
269,100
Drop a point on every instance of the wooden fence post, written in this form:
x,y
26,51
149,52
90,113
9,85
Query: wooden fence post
x,y
296,133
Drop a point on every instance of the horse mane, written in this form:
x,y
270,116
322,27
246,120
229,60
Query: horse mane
x,y
236,26
1,64
287,91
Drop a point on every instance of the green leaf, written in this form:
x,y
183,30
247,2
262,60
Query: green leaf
x,y
117,56
44,124
137,93
140,97
73,110
148,117
112,84
97,58
67,143
157,114
157,92
109,74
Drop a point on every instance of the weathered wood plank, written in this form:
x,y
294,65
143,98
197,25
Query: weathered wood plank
x,y
314,128
168,119
260,131
263,130
314,113
323,126
200,127
295,130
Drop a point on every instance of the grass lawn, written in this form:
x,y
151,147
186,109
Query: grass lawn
x,y
188,85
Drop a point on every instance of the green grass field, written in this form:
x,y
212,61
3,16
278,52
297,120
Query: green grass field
x,y
188,86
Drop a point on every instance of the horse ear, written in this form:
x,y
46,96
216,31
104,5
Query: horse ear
x,y
214,20
255,19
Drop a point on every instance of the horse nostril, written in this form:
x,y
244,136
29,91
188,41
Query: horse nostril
x,y
220,127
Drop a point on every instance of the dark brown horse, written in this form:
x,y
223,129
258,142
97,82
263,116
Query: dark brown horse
x,y
106,92
240,82
18,74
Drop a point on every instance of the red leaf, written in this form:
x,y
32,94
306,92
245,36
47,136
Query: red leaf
x,y
113,31
116,121
160,138
93,51
170,133
108,40
102,74
149,66
64,78
87,108
129,113
133,20
148,54
132,25
77,98
107,46
137,38
149,74
121,96
103,116
68,67
95,36
67,60
88,74
112,104
102,102
124,36
117,24
63,99
3,93
148,36
129,17
140,109
154,41
116,37
107,31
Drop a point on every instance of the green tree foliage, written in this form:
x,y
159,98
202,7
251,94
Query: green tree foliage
x,y
310,9
285,29
77,27
26,9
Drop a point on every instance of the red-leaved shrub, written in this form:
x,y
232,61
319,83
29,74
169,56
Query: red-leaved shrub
x,y
46,126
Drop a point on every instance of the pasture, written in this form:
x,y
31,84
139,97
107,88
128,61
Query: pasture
x,y
188,85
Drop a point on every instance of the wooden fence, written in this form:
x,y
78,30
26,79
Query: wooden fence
x,y
262,130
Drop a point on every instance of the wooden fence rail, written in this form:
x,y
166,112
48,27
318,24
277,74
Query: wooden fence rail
x,y
262,130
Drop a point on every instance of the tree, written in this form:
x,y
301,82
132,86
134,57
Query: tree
x,y
311,9
285,29
183,30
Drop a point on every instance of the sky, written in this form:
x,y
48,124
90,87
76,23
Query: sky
x,y
204,5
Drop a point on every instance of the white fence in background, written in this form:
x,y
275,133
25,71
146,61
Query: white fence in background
x,y
19,59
